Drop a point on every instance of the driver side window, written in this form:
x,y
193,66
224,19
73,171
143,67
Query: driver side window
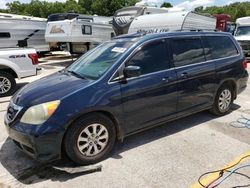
x,y
152,57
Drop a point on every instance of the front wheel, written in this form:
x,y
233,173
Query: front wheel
x,y
223,101
90,139
7,84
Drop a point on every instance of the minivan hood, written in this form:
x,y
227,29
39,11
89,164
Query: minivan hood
x,y
50,88
242,38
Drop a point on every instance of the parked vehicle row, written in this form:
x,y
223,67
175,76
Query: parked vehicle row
x,y
79,33
123,86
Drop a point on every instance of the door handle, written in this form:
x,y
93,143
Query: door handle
x,y
184,75
166,79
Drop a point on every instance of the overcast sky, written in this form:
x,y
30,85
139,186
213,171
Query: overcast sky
x,y
188,4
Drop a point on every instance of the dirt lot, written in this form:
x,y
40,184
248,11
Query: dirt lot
x,y
172,155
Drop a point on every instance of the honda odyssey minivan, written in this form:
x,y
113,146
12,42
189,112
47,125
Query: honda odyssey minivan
x,y
124,86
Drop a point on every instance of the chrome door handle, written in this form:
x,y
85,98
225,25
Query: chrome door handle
x,y
184,75
166,79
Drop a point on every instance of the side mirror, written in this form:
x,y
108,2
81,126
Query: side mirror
x,y
132,71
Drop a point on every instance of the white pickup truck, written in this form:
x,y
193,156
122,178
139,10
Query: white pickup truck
x,y
16,63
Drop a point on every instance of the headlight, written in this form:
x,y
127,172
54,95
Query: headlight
x,y
38,114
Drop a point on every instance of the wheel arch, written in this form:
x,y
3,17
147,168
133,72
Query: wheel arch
x,y
8,70
230,82
8,67
118,128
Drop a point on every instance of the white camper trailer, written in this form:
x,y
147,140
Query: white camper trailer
x,y
80,33
124,17
172,21
242,34
22,31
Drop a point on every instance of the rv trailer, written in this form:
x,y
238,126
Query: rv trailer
x,y
172,21
242,34
80,33
124,17
22,31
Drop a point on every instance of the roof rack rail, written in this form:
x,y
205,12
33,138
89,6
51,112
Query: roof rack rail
x,y
200,30
133,35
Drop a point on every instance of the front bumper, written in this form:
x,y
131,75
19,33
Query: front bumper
x,y
43,148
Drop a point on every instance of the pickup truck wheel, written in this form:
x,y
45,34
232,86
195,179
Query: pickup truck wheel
x,y
223,101
90,139
7,84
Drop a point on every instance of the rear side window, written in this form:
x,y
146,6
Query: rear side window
x,y
187,51
219,47
151,58
4,35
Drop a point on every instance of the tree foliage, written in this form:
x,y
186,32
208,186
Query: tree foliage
x,y
235,10
44,8
166,5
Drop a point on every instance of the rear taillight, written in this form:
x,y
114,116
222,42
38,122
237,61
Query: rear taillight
x,y
244,64
34,58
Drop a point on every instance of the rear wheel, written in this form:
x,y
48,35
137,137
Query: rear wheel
x,y
223,101
7,84
90,139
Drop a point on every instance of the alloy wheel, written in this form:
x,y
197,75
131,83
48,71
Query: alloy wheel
x,y
92,140
5,85
225,99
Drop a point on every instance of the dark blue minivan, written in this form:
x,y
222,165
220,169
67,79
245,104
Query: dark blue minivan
x,y
124,86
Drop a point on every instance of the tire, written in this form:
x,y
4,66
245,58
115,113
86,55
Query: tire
x,y
7,84
77,142
218,108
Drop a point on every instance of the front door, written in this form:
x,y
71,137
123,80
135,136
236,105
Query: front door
x,y
152,97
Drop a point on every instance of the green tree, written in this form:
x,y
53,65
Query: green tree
x,y
235,10
73,6
166,5
35,8
16,7
108,7
56,7
86,5
240,12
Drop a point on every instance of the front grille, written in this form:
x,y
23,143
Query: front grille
x,y
12,111
245,45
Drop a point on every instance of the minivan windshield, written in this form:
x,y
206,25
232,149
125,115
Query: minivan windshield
x,y
243,31
95,63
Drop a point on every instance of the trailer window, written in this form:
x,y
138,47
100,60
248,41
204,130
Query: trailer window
x,y
217,47
86,30
187,51
4,35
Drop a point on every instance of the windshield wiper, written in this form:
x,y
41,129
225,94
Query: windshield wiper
x,y
76,74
